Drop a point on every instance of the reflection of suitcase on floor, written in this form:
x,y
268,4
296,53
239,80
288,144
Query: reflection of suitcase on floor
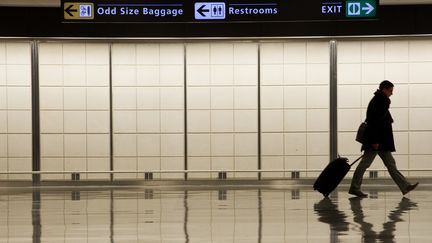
x,y
332,175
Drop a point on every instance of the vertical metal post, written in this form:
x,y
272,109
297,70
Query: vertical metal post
x,y
36,215
260,216
185,112
35,111
259,110
111,113
112,219
333,101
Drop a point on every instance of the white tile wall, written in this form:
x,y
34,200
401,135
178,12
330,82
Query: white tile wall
x,y
348,73
199,121
401,118
15,109
3,121
222,106
148,121
74,108
272,144
295,52
74,121
372,51
222,120
73,75
362,65
222,79
222,74
419,72
98,145
273,74
51,145
246,144
199,145
171,75
148,75
399,72
198,74
295,120
294,104
295,144
396,51
372,72
19,121
222,145
75,145
18,74
245,120
272,120
148,103
125,145
19,145
18,98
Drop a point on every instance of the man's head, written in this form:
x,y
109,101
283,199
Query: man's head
x,y
386,87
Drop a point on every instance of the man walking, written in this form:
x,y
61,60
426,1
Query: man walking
x,y
379,141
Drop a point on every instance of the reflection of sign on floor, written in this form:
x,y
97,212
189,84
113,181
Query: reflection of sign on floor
x,y
361,8
78,11
210,10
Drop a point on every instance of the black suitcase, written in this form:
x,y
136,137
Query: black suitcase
x,y
332,175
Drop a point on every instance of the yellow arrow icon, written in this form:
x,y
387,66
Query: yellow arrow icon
x,y
78,11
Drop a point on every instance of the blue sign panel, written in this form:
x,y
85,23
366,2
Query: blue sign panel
x,y
210,10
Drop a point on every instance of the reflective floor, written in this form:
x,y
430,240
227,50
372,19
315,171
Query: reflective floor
x,y
137,214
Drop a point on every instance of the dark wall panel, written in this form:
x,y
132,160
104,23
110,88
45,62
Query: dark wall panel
x,y
47,22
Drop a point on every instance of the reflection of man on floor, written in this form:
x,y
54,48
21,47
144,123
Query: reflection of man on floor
x,y
389,227
369,235
329,213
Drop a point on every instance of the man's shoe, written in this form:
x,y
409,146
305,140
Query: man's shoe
x,y
410,188
357,193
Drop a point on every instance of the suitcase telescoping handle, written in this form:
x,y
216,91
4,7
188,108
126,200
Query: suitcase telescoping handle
x,y
355,161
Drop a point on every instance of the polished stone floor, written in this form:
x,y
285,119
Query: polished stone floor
x,y
213,214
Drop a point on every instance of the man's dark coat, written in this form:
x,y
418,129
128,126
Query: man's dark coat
x,y
379,122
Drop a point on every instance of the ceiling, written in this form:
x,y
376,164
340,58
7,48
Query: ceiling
x,y
56,3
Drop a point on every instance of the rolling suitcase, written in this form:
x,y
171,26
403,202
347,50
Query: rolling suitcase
x,y
332,175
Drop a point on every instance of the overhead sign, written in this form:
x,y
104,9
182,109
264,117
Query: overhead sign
x,y
360,8
182,11
210,10
78,10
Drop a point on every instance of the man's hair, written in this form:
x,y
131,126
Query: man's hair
x,y
385,85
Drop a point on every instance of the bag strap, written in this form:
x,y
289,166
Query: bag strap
x,y
355,161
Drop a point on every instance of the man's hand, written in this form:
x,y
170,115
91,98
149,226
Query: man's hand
x,y
375,146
